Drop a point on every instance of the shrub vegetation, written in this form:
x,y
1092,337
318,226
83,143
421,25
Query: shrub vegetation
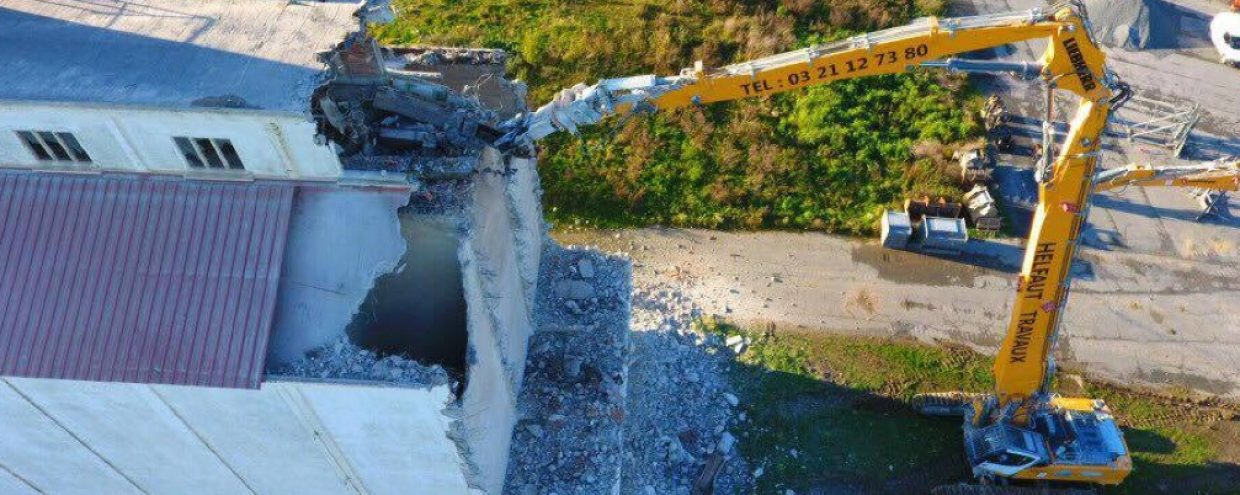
x,y
826,158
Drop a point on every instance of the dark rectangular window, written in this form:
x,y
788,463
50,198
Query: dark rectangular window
x,y
79,153
230,154
54,146
189,152
209,153
33,144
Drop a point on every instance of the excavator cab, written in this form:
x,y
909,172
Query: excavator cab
x,y
1001,451
1067,440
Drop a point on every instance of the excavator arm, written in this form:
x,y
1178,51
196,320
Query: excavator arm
x,y
927,41
1220,175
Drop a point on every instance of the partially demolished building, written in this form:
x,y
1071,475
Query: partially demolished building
x,y
246,249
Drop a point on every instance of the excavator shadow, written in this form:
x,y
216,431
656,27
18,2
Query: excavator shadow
x,y
818,436
1222,219
822,437
1162,464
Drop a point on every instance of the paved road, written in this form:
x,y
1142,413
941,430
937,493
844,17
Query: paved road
x,y
1150,318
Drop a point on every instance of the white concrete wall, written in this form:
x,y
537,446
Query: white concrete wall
x,y
339,242
496,260
272,145
69,437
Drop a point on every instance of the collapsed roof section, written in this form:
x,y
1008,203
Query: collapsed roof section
x,y
427,112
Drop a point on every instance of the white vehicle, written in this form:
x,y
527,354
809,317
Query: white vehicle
x,y
1225,33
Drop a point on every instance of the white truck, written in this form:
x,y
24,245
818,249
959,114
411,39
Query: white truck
x,y
1225,33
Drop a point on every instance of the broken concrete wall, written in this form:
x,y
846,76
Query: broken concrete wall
x,y
428,114
340,241
499,259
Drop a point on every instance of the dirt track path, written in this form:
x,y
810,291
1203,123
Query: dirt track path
x,y
1133,317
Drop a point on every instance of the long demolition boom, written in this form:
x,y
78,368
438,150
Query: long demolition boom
x,y
1219,175
1072,62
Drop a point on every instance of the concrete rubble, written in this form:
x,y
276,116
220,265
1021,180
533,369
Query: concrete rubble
x,y
342,360
682,408
572,411
423,112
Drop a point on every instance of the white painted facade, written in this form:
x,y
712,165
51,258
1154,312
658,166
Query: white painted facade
x,y
134,139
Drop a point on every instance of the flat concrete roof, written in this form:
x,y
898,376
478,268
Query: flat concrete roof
x,y
176,53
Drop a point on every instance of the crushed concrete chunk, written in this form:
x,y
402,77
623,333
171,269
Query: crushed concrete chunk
x,y
343,360
576,377
574,289
726,443
585,268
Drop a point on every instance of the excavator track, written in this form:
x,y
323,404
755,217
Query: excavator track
x,y
963,489
944,403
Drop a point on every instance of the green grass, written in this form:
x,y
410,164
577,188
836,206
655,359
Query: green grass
x,y
841,402
828,158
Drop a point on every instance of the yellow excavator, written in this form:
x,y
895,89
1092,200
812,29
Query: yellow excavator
x,y
1022,431
1218,175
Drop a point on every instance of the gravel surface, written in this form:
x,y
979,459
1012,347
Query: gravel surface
x,y
1131,24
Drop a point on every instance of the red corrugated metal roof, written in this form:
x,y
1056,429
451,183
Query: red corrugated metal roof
x,y
139,279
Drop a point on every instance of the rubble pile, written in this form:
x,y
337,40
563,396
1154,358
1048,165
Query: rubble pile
x,y
569,434
432,56
342,360
683,414
380,113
